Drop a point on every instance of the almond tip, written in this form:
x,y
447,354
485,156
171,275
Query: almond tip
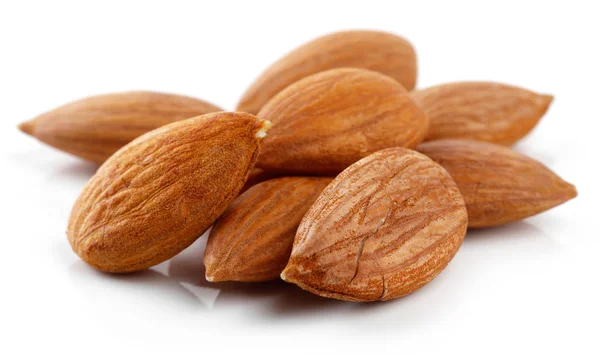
x,y
265,125
26,127
546,101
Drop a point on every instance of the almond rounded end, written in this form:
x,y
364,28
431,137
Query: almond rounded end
x,y
27,127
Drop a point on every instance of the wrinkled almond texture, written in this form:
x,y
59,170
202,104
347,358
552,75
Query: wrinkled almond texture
x,y
383,228
378,51
159,193
96,127
498,184
253,239
483,111
325,122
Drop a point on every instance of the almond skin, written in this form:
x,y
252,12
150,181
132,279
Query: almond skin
x,y
373,50
158,194
96,127
253,239
498,184
327,121
483,111
383,228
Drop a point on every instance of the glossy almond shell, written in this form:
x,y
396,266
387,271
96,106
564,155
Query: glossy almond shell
x,y
325,122
483,111
158,194
96,127
383,228
373,50
253,239
499,185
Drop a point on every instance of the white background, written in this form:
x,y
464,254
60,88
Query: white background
x,y
525,290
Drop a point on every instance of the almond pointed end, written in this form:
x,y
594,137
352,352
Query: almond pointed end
x,y
546,101
27,127
265,125
215,275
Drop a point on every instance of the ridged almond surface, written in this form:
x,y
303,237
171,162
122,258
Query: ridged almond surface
x,y
158,194
482,111
253,239
373,50
327,121
96,127
498,184
383,228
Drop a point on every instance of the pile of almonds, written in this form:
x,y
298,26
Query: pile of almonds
x,y
353,185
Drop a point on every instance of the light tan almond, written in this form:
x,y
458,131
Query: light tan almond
x,y
327,121
483,111
96,127
499,185
383,228
253,239
158,194
373,50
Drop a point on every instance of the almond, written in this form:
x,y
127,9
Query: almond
x,y
327,121
483,111
158,194
253,239
373,50
96,127
383,228
498,184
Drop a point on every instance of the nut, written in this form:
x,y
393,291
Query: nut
x,y
383,228
499,185
373,50
96,127
158,194
325,122
253,239
483,111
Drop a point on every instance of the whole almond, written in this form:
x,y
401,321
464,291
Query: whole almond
x,y
327,121
158,194
373,50
96,127
253,239
383,228
483,111
498,184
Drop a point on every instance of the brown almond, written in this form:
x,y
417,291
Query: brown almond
x,y
378,51
483,111
383,228
253,239
327,121
96,127
159,193
499,185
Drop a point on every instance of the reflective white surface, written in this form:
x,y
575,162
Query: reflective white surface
x,y
526,289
